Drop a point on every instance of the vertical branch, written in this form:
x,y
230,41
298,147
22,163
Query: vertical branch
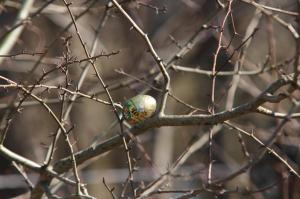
x,y
213,87
252,27
66,134
105,87
129,163
83,75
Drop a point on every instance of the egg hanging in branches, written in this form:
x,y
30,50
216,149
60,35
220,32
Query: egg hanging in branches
x,y
138,108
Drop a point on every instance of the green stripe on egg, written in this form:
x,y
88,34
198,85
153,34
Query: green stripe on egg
x,y
138,108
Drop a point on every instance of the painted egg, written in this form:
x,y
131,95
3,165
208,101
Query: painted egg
x,y
138,108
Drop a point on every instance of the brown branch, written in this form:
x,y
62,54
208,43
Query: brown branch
x,y
171,120
285,24
158,60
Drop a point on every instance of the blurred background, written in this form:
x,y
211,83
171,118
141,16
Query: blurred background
x,y
257,36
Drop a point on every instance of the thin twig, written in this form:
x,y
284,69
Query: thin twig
x,y
110,190
213,85
158,60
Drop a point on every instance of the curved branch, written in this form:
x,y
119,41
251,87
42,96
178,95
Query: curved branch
x,y
171,120
10,155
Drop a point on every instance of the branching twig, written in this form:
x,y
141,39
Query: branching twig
x,y
158,60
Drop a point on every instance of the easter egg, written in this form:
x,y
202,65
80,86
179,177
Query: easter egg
x,y
138,108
